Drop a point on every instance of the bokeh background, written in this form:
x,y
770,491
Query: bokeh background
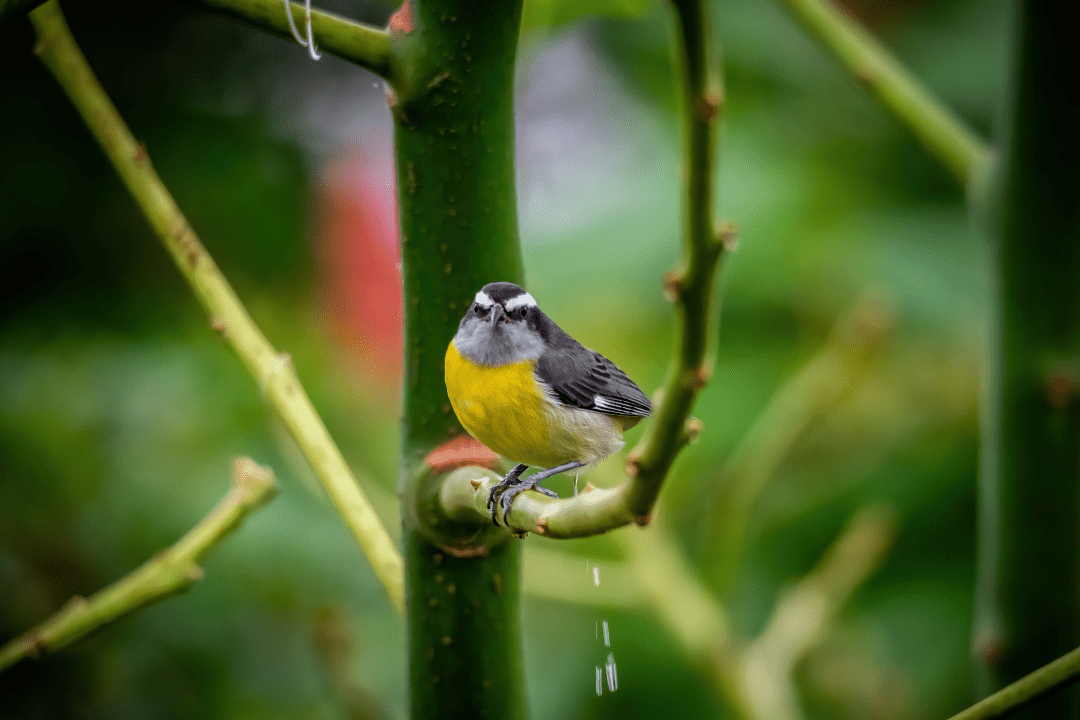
x,y
846,372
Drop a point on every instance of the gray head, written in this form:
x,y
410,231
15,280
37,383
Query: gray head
x,y
502,326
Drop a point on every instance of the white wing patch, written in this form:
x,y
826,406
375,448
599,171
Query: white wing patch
x,y
483,300
601,403
522,300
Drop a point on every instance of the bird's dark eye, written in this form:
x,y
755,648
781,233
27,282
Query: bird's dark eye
x,y
477,309
524,312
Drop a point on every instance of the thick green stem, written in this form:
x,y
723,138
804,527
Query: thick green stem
x,y
1029,546
941,132
693,286
364,45
229,318
453,109
168,573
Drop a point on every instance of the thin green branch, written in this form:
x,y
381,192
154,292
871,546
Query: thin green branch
x,y
272,370
693,286
941,132
801,400
367,46
1005,702
804,612
168,573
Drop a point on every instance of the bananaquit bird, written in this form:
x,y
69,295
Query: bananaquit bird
x,y
533,394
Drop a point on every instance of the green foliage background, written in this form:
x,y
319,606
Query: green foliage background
x,y
119,409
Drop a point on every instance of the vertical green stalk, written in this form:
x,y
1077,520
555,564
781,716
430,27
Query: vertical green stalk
x,y
1028,594
453,109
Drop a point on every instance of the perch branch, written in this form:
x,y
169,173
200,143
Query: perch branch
x,y
941,132
272,370
364,45
168,573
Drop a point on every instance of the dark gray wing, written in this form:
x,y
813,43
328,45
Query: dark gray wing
x,y
584,379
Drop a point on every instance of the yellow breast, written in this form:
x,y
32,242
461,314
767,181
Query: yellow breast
x,y
503,408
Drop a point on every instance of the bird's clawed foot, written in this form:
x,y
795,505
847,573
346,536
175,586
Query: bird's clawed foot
x,y
503,494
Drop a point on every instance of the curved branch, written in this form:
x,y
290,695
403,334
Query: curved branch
x,y
272,370
463,497
168,573
364,45
941,132
692,287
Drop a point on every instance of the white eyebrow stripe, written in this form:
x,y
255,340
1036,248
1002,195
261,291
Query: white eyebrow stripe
x,y
483,299
525,299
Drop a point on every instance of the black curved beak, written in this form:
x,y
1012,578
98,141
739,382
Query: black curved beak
x,y
497,313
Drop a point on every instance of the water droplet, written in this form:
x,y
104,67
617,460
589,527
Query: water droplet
x,y
596,575
607,635
599,682
612,674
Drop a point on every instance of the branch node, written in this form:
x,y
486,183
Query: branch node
x,y
36,645
140,154
194,573
281,362
674,284
643,520
989,648
541,526
693,428
700,377
727,235
710,106
633,464
475,482
1061,385
219,326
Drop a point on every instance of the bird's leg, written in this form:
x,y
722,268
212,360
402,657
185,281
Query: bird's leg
x,y
530,483
510,479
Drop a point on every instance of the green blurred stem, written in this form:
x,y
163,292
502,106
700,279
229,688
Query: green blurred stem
x,y
941,132
366,46
804,613
453,110
1015,697
1028,577
693,286
168,573
804,398
229,318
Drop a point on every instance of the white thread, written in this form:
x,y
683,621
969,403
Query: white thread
x,y
310,42
312,50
